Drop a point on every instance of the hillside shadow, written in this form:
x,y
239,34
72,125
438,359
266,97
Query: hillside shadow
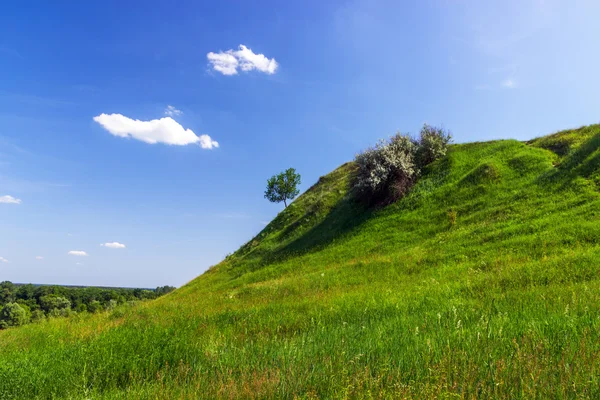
x,y
346,216
581,155
583,162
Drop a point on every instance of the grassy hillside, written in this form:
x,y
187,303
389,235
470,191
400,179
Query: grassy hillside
x,y
483,282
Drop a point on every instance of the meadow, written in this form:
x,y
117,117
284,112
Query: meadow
x,y
483,282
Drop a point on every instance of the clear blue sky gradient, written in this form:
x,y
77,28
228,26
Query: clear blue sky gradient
x,y
349,73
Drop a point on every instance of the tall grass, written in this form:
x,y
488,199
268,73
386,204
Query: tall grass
x,y
335,301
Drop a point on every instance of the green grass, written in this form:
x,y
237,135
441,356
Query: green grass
x,y
335,301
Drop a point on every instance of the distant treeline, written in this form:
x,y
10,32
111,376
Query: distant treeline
x,y
21,304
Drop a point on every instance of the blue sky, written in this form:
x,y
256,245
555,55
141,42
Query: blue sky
x,y
315,83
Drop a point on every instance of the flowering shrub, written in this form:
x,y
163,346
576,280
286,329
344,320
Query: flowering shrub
x,y
433,144
387,171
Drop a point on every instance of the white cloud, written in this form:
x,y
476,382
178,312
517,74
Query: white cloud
x,y
230,61
165,130
78,263
114,245
77,253
3,260
39,258
509,84
207,143
224,63
9,200
172,111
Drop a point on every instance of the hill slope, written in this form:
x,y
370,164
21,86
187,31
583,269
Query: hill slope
x,y
483,282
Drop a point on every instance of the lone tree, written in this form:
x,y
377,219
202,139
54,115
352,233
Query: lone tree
x,y
283,186
13,314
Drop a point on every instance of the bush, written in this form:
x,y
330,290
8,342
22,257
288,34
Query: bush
x,y
387,171
81,308
433,144
51,302
37,316
13,314
111,305
60,312
94,306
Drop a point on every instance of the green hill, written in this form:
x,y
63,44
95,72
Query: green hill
x,y
483,282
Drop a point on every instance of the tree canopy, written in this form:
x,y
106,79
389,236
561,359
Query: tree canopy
x,y
13,314
283,186
20,304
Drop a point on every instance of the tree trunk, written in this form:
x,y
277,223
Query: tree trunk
x,y
285,203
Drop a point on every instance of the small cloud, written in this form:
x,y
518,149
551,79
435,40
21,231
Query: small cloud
x,y
172,111
114,245
78,253
165,130
230,61
78,263
9,200
3,260
509,84
39,258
